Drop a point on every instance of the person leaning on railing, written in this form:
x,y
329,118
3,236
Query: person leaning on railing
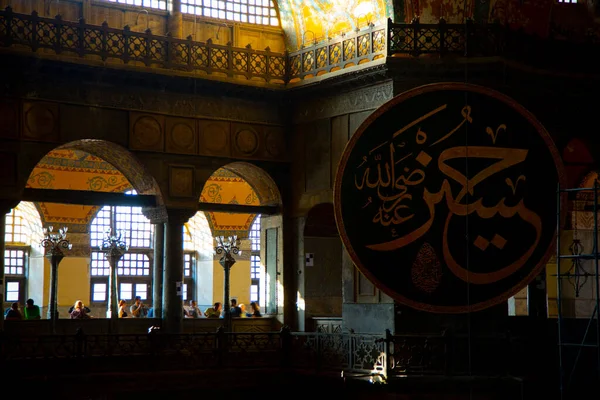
x,y
79,311
138,309
214,311
31,310
255,310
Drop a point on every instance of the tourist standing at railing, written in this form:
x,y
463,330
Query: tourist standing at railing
x,y
214,311
193,311
80,311
138,309
243,311
14,313
255,310
122,309
31,310
235,310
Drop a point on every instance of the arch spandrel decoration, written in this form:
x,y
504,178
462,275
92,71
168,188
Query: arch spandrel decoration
x,y
87,165
445,197
261,182
135,172
237,183
74,170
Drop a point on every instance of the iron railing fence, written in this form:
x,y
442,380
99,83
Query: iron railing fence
x,y
385,356
82,40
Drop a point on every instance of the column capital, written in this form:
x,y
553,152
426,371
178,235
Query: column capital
x,y
179,215
156,215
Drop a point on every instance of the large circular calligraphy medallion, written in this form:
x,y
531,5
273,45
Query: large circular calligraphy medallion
x,y
445,197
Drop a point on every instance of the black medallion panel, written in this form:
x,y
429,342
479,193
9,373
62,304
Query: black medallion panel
x,y
445,197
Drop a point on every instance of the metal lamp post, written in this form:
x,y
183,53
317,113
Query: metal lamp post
x,y
113,248
227,248
54,243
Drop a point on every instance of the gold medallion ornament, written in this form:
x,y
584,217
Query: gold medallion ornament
x,y
445,197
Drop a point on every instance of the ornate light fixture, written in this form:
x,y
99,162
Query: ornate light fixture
x,y
227,248
54,243
113,245
113,248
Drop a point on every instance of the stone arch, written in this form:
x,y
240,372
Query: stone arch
x,y
265,187
253,186
32,222
123,160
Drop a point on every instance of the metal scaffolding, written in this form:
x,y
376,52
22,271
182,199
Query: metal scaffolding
x,y
571,351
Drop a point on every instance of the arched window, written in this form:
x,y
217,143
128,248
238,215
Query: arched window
x,y
134,270
189,264
261,12
254,236
23,227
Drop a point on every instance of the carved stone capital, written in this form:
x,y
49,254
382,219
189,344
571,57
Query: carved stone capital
x,y
156,215
179,215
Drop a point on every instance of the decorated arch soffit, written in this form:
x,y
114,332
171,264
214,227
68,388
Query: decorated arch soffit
x,y
226,187
320,19
74,170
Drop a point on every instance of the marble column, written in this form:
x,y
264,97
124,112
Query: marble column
x,y
158,267
176,19
172,311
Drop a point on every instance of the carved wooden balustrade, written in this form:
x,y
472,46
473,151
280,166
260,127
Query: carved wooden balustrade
x,y
81,40
332,55
122,45
416,39
558,51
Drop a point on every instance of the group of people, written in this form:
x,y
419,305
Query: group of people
x,y
240,311
31,311
216,311
138,310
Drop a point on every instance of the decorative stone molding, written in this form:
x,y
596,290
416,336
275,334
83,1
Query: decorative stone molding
x,y
121,90
146,132
181,181
41,121
359,100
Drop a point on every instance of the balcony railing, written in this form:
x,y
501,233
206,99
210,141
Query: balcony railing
x,y
79,39
109,44
378,357
351,50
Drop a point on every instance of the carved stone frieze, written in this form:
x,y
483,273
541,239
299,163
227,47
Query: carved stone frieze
x,y
344,103
117,89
